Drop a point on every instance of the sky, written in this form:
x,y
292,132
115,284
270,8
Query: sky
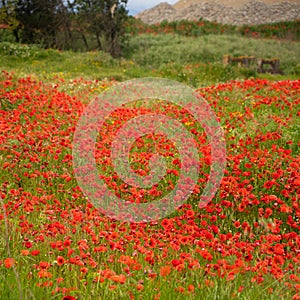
x,y
136,6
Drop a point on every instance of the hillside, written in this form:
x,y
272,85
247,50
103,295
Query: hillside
x,y
224,11
181,4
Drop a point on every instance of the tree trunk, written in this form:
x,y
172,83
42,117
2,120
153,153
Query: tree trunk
x,y
84,40
98,41
16,35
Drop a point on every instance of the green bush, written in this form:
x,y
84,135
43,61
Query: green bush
x,y
18,50
27,51
46,54
6,36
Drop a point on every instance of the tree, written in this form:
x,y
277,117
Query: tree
x,y
40,20
105,19
115,19
8,17
54,23
78,22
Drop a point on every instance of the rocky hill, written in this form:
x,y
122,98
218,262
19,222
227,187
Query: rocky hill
x,y
237,12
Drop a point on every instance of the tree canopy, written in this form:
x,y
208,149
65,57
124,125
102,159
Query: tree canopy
x,y
99,24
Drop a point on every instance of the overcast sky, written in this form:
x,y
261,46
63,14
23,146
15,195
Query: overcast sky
x,y
136,6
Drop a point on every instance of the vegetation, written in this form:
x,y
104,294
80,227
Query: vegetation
x,y
159,50
195,61
55,243
59,24
283,30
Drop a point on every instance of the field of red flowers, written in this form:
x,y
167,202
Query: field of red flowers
x,y
54,244
282,30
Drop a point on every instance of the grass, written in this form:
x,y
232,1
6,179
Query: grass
x,y
157,50
195,61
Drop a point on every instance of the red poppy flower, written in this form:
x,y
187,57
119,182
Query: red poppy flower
x,y
44,265
118,278
9,262
165,270
191,288
35,252
60,260
68,297
176,262
44,274
268,184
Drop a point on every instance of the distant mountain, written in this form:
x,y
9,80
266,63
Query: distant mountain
x,y
236,12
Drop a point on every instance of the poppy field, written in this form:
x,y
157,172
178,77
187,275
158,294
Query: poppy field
x,y
55,244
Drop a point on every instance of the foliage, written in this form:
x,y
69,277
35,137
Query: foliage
x,y
59,24
39,20
105,19
8,14
17,50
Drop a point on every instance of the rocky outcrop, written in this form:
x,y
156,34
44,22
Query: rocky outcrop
x,y
160,12
253,12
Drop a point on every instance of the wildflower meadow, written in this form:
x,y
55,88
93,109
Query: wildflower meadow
x,y
55,243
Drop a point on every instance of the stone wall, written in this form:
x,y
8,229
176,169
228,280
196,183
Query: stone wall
x,y
253,12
